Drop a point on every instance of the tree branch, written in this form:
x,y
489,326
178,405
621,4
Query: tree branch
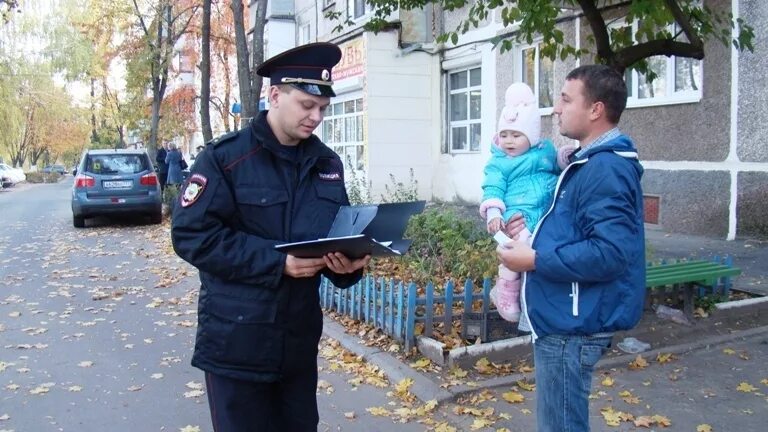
x,y
684,23
668,47
599,30
141,19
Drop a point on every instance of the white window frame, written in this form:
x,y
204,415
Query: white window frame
x,y
360,114
304,34
351,9
448,149
327,3
519,65
672,96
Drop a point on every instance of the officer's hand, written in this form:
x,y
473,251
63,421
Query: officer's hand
x,y
494,226
517,256
338,263
302,267
514,226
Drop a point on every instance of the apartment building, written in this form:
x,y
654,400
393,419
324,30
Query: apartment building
x,y
405,102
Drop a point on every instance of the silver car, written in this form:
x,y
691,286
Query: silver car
x,y
115,181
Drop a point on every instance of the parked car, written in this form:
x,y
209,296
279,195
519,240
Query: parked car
x,y
115,181
55,168
15,174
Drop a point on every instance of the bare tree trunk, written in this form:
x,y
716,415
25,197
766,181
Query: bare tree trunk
x,y
19,154
250,82
205,74
257,48
227,91
241,46
163,46
121,134
94,133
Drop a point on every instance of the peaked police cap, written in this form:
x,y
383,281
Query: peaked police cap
x,y
307,67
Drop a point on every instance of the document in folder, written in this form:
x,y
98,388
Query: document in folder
x,y
358,231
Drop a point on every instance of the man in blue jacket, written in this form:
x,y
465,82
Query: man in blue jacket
x,y
259,317
585,267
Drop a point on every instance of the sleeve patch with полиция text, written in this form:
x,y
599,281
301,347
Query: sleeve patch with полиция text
x,y
193,190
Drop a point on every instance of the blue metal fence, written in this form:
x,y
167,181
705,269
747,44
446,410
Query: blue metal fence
x,y
396,308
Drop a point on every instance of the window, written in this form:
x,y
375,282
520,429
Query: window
x,y
114,164
464,107
357,8
538,73
677,79
327,3
304,34
343,132
186,62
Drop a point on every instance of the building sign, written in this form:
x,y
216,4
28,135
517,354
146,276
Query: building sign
x,y
352,60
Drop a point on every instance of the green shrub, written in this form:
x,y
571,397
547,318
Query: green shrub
x,y
357,191
41,177
170,196
446,245
399,191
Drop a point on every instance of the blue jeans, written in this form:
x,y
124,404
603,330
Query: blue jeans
x,y
564,366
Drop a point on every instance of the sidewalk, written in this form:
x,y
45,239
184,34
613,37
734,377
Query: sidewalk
x,y
698,384
721,382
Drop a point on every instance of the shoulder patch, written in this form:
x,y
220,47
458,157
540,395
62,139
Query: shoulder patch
x,y
222,138
193,189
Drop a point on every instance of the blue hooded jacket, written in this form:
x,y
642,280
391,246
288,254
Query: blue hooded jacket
x,y
590,247
521,184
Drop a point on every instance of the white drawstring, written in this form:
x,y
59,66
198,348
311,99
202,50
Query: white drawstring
x,y
575,297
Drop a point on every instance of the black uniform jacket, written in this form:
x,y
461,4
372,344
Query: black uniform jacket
x,y
245,194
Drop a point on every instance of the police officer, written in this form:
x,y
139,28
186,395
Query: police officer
x,y
259,317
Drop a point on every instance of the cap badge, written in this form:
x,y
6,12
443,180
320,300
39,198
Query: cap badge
x,y
325,75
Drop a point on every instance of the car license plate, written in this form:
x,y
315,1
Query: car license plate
x,y
117,184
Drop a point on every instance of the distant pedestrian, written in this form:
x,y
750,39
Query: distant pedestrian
x,y
162,165
174,160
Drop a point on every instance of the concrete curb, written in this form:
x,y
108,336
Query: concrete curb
x,y
423,387
427,389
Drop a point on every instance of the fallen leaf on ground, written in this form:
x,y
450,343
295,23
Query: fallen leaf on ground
x,y
704,428
746,387
607,382
480,423
638,363
662,421
665,358
513,397
421,364
350,415
526,385
378,411
644,421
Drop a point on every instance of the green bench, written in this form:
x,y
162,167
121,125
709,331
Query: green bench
x,y
687,276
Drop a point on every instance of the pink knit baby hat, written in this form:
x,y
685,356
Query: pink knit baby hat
x,y
521,112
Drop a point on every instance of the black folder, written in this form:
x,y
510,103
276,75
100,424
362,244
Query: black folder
x,y
357,231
